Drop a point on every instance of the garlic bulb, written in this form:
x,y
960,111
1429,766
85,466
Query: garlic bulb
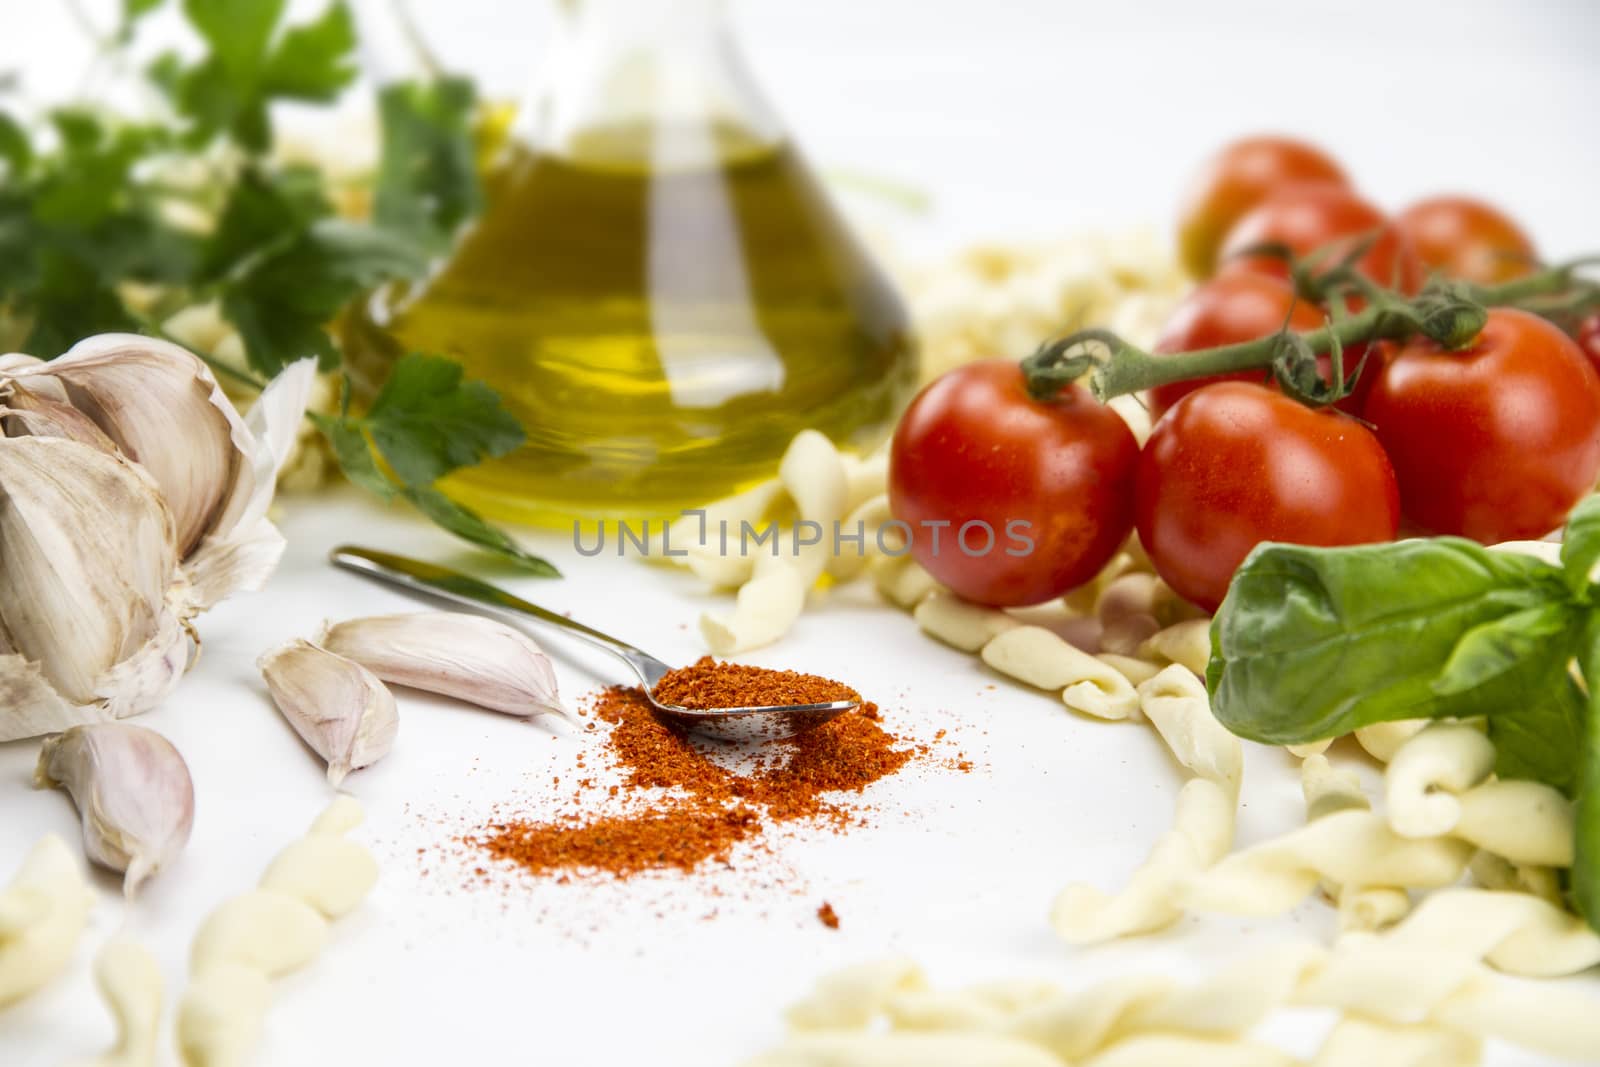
x,y
468,657
132,497
338,707
92,602
162,408
132,790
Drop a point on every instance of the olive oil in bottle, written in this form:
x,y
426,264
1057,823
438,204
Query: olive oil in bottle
x,y
657,287
663,305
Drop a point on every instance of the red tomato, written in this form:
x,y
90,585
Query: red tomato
x,y
1307,217
1242,306
1496,441
1233,465
1589,339
1235,180
1051,482
1467,239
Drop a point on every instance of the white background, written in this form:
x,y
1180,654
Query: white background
x,y
1022,118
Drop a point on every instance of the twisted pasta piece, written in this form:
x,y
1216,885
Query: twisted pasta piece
x,y
267,932
1328,790
1202,832
1175,702
1346,847
1429,771
129,981
959,624
1513,932
1044,659
1187,643
42,915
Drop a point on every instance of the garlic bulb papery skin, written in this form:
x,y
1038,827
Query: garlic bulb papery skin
x,y
468,657
161,407
133,792
92,600
337,706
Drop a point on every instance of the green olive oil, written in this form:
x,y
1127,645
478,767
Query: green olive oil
x,y
660,330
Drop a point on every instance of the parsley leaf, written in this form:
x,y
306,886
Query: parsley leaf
x,y
427,421
427,182
250,64
471,527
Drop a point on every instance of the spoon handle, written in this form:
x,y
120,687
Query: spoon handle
x,y
430,579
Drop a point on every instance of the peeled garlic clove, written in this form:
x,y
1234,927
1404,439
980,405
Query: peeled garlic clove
x,y
42,914
468,657
92,602
337,706
132,789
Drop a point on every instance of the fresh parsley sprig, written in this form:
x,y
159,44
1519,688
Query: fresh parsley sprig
x,y
109,222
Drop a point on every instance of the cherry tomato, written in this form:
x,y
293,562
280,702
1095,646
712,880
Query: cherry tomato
x,y
1589,339
1467,239
1235,180
1496,441
1308,217
1242,306
1046,486
1233,465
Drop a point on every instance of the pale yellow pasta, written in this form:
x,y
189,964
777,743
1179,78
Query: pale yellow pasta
x,y
865,476
961,624
1529,823
904,1050
1081,601
1175,702
1310,748
1496,872
851,998
1554,1020
1513,932
1131,609
1369,908
1383,739
1428,772
1346,847
1328,789
813,474
1359,1042
1186,643
1168,1050
129,981
766,607
1133,669
866,522
1202,832
1043,658
902,581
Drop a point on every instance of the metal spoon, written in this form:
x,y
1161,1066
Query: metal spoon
x,y
727,724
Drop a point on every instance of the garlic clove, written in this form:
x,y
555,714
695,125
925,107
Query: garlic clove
x,y
337,706
26,413
132,789
468,657
162,408
92,602
42,914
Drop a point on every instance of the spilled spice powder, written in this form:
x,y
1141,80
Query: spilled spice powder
x,y
709,807
827,916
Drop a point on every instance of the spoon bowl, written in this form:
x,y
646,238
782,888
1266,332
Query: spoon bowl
x,y
760,723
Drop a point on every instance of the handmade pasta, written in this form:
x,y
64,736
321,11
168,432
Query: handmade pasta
x,y
42,915
1044,659
129,981
1426,774
1175,702
959,624
1186,643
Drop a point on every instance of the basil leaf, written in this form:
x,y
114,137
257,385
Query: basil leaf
x,y
427,421
1314,642
1586,834
1580,542
1539,639
1539,738
470,526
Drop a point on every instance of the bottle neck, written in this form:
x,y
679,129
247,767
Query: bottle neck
x,y
665,65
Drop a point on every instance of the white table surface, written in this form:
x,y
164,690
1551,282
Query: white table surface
x,y
1021,118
